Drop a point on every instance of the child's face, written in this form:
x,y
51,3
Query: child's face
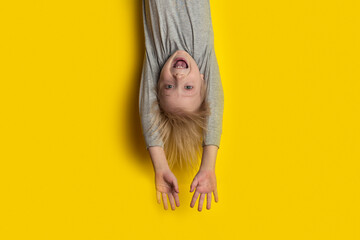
x,y
180,83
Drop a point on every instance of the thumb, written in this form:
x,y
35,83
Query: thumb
x,y
175,185
193,184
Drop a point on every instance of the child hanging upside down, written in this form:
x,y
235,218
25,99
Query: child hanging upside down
x,y
181,98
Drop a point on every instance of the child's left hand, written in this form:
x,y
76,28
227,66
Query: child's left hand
x,y
205,183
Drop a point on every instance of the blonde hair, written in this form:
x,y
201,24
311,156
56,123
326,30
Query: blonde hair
x,y
181,131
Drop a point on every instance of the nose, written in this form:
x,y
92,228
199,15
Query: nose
x,y
179,76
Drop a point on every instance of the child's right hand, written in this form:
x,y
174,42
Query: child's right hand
x,y
166,184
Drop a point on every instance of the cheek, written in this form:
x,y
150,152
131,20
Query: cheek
x,y
168,63
160,96
164,74
161,102
165,104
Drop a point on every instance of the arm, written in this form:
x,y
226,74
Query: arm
x,y
205,180
165,181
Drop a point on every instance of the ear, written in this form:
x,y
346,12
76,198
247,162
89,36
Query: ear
x,y
202,76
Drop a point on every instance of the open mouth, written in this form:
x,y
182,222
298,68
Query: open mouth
x,y
180,63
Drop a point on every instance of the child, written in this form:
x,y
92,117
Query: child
x,y
181,96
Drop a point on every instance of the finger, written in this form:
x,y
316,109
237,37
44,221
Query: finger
x,y
193,184
158,197
164,198
172,201
194,198
216,195
208,201
177,201
201,201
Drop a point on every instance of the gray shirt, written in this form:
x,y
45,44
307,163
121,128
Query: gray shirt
x,y
171,25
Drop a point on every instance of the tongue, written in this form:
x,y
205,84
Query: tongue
x,y
180,63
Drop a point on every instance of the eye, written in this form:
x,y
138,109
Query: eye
x,y
188,87
168,86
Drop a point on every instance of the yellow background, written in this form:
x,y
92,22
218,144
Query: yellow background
x,y
73,159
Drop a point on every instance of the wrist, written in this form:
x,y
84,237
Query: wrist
x,y
209,158
161,169
207,168
158,158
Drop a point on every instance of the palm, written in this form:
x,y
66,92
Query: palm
x,y
164,182
205,184
206,181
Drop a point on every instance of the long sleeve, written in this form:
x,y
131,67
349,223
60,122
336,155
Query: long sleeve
x,y
147,96
215,96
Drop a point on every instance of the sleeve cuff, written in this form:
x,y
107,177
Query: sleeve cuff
x,y
212,138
